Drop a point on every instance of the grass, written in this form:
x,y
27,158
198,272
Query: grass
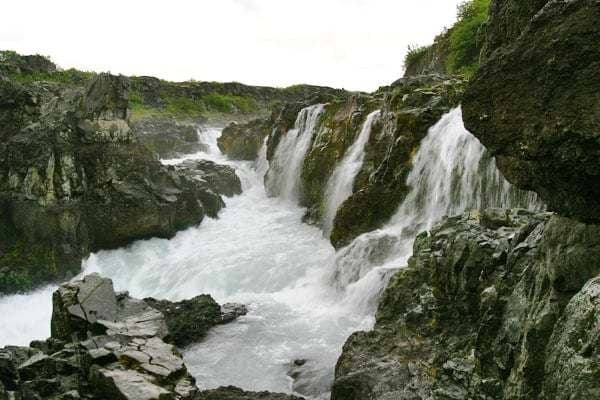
x,y
190,107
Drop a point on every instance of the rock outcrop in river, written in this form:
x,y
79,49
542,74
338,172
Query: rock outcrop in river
x,y
107,345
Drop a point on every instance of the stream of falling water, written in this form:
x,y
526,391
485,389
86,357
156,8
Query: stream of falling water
x,y
339,185
304,299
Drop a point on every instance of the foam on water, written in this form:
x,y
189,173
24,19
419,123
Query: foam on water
x,y
283,177
452,173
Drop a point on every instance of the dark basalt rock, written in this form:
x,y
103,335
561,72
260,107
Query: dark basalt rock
x,y
189,320
535,100
485,311
107,345
218,178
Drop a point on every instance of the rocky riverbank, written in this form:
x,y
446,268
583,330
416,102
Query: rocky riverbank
x,y
75,179
497,305
107,345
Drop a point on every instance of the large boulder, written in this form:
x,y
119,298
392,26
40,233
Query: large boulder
x,y
218,178
535,100
490,306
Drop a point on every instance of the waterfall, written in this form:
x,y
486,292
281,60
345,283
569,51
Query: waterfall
x,y
208,138
304,299
339,186
283,178
452,173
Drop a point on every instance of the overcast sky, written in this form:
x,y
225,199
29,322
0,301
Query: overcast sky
x,y
352,44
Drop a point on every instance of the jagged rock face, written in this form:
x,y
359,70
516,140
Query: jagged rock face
x,y
243,141
491,306
535,102
74,179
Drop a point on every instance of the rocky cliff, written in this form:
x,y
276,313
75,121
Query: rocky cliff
x,y
497,305
74,179
535,102
503,304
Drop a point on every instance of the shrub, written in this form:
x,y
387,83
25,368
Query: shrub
x,y
465,45
415,56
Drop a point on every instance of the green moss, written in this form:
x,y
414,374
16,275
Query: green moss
x,y
465,46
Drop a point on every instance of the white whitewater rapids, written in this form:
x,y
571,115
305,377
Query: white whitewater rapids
x,y
304,300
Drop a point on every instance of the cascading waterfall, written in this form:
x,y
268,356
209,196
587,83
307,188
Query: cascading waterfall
x,y
304,300
283,178
339,186
452,173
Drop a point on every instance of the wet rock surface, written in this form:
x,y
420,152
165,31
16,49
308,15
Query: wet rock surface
x,y
188,321
534,101
107,345
488,308
217,178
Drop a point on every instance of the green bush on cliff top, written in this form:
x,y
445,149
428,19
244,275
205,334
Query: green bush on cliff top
x,y
465,45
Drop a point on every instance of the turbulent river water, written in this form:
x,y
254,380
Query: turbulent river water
x,y
304,299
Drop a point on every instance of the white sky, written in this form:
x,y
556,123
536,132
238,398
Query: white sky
x,y
352,44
